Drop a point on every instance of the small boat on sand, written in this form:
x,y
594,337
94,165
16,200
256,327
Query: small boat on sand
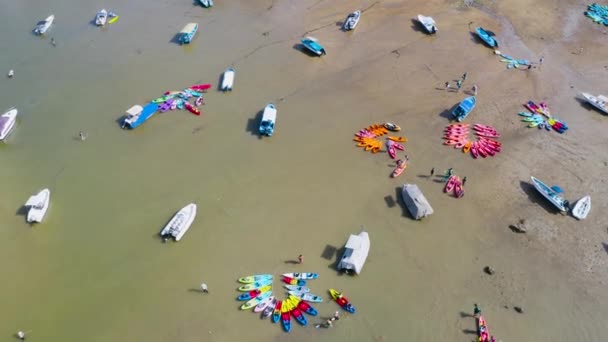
x,y
582,208
553,194
180,223
137,114
38,205
269,118
187,33
464,108
600,101
313,45
342,300
101,17
7,122
351,21
486,37
227,80
44,25
428,23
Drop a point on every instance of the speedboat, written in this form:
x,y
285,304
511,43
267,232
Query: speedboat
x,y
600,102
227,80
428,23
313,45
180,223
137,114
553,194
464,108
44,25
351,20
582,207
101,17
7,122
269,118
487,37
187,33
38,205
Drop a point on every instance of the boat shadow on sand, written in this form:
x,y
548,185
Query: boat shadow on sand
x,y
397,200
417,26
535,197
253,124
334,254
447,113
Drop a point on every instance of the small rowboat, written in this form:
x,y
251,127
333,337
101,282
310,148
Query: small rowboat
x,y
351,21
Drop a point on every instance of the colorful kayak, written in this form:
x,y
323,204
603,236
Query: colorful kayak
x,y
396,138
268,302
391,149
399,169
467,147
293,281
162,98
254,278
305,307
301,275
392,127
285,317
341,300
276,314
200,87
482,330
474,152
458,189
297,314
192,109
255,301
307,296
297,288
254,286
268,310
449,186
254,293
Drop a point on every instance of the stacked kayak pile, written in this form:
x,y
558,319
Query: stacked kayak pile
x,y
598,13
541,117
485,145
454,185
367,137
172,100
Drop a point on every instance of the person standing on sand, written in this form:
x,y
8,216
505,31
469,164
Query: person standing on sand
x,y
447,85
476,311
464,77
328,323
464,180
474,89
300,259
432,172
459,84
336,316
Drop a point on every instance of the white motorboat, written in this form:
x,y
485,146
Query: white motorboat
x,y
180,223
228,79
428,23
553,194
44,25
101,17
38,205
600,102
351,20
7,122
582,208
269,118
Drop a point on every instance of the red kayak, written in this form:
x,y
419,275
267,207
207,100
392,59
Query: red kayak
x,y
293,281
481,150
201,87
192,109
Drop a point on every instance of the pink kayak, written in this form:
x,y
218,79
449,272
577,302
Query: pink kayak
x,y
458,189
474,152
391,151
201,87
449,186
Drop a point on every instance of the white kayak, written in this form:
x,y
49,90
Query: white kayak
x,y
7,122
582,208
38,205
309,297
428,23
228,79
297,288
180,223
301,275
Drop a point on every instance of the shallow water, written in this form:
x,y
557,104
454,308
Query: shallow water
x,y
95,269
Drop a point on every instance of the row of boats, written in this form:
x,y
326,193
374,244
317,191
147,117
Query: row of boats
x,y
101,18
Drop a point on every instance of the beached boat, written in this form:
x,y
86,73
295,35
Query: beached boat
x,y
258,284
137,115
206,3
486,37
341,300
44,25
582,208
269,118
351,20
38,205
428,23
227,80
600,101
7,122
355,253
180,223
101,17
313,46
552,194
464,108
187,33
253,278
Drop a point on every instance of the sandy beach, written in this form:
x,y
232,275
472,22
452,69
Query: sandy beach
x,y
96,270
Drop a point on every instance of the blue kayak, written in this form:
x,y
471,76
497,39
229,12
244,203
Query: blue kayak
x,y
486,37
464,108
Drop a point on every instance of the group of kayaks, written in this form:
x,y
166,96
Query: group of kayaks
x,y
457,135
540,117
483,334
258,296
367,139
454,184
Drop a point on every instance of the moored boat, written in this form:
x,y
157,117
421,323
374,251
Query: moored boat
x,y
552,194
180,223
101,17
44,25
486,37
428,23
464,108
7,122
187,33
38,206
582,208
269,118
352,19
600,101
313,46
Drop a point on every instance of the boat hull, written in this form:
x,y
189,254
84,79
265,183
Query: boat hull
x,y
7,123
464,108
581,208
313,46
427,23
352,20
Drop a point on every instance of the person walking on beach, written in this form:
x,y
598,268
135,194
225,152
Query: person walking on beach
x,y
447,85
464,77
459,84
204,288
336,316
300,259
476,311
474,89
82,135
464,180
328,323
432,172
540,62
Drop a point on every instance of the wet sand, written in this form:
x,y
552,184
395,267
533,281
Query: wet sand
x,y
96,269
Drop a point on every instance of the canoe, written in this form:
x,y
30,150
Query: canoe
x,y
297,288
449,186
352,19
307,296
37,206
180,222
253,278
582,208
187,33
458,188
486,37
297,314
101,17
255,301
268,302
464,108
600,101
427,23
253,286
553,194
268,310
192,109
392,127
227,80
399,170
341,300
44,25
313,46
7,122
269,118
276,314
254,293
